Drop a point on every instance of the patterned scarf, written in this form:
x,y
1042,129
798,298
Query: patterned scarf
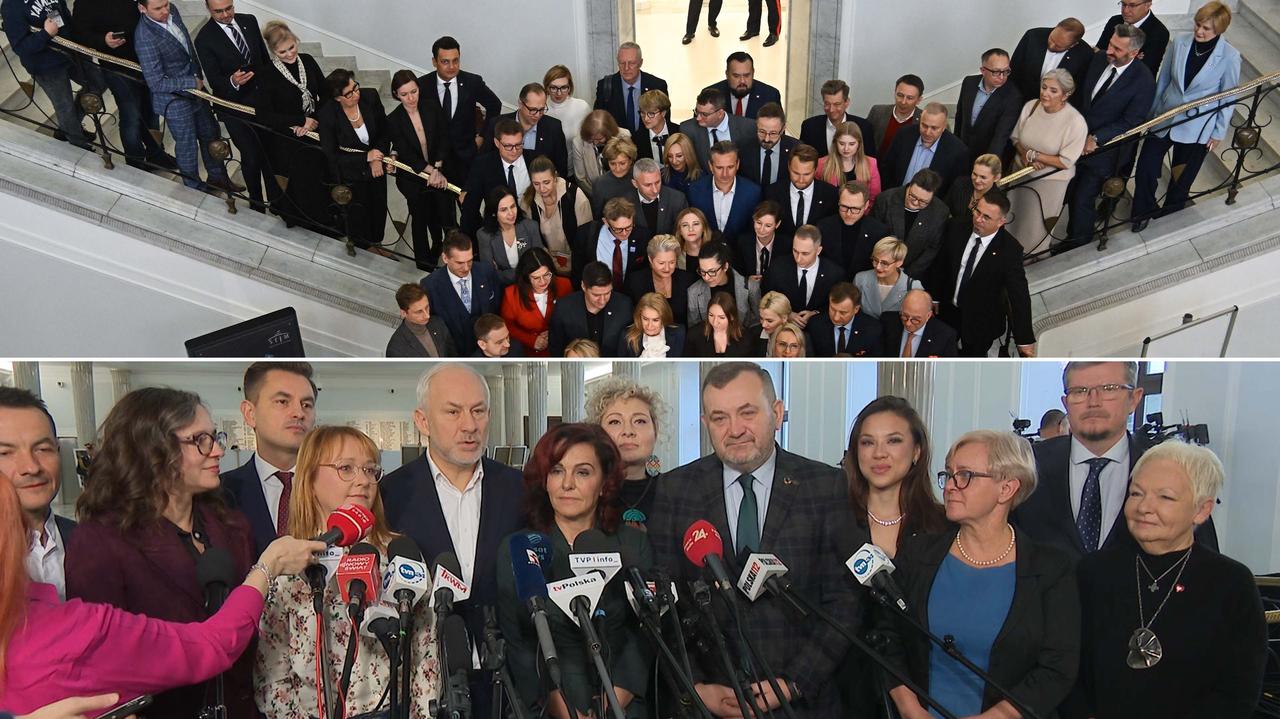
x,y
308,100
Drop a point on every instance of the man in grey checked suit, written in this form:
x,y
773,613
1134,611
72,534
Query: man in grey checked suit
x,y
169,65
762,498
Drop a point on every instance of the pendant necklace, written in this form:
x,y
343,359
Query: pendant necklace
x,y
1145,650
1154,586
633,513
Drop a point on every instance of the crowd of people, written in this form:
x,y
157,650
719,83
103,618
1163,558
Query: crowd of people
x,y
1080,574
605,188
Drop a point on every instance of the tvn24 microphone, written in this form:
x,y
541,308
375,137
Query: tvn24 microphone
x,y
406,579
704,547
530,552
873,568
346,525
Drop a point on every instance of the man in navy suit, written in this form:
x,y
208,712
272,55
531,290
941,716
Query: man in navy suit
x,y
765,161
744,93
543,134
844,329
726,198
506,163
806,278
29,459
462,289
1117,95
1138,14
616,239
454,499
928,144
1042,49
456,93
597,313
803,199
620,92
817,131
913,331
279,405
988,108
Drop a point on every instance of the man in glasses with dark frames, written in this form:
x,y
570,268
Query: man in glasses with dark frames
x,y
543,134
851,233
1138,14
507,163
1084,476
989,106
915,215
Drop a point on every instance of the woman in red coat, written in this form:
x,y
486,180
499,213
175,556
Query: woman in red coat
x,y
527,305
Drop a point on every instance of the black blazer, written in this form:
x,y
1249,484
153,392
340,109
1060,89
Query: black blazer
x,y
549,143
822,277
584,249
675,337
803,531
1046,516
813,132
937,340
863,341
1124,106
761,94
998,278
242,488
403,139
1035,655
643,140
611,96
404,344
637,284
219,58
854,256
950,159
822,206
747,262
468,91
278,102
924,238
486,173
752,155
1028,58
1153,47
336,131
569,322
413,508
698,344
995,121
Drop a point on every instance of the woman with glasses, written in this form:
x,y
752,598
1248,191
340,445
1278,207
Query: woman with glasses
x,y
664,277
885,285
336,466
559,207
527,304
655,117
598,128
357,122
680,163
561,104
854,164
1010,603
693,231
506,234
788,341
966,191
716,274
722,334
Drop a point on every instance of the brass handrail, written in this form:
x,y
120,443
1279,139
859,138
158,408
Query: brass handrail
x,y
238,107
1139,129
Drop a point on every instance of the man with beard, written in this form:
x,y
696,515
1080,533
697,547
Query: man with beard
x,y
746,95
764,161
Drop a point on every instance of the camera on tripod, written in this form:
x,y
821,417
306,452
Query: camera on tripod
x,y
1156,431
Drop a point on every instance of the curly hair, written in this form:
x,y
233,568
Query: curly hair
x,y
616,389
549,451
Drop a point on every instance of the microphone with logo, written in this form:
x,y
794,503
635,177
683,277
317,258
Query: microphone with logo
x,y
403,585
530,552
346,525
216,572
358,579
579,597
447,589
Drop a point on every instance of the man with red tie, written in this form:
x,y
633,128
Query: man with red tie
x,y
745,94
280,406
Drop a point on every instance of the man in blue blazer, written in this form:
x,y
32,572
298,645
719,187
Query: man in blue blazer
x,y
711,193
620,92
461,289
744,93
279,405
844,330
454,499
1116,97
170,67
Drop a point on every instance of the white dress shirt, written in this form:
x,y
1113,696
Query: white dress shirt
x,y
461,514
831,133
964,259
172,28
272,487
1093,92
1112,484
763,486
45,559
521,174
808,202
540,299
723,202
453,93
722,131
1051,60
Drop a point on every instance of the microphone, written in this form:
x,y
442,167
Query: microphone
x,y
762,571
406,578
872,568
448,586
347,525
593,551
380,623
357,577
215,571
530,553
704,547
455,690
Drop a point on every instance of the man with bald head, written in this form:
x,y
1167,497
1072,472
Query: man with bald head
x,y
1042,49
913,331
926,144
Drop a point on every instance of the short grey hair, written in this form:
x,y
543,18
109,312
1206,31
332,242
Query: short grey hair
x,y
726,372
1130,371
616,389
1200,464
645,165
1063,78
935,108
629,45
424,382
1135,34
663,243
1008,454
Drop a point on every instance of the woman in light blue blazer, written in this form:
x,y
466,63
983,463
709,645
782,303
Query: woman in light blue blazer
x,y
507,234
1197,65
885,285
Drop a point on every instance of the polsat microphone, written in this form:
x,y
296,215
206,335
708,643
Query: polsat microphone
x,y
358,579
530,552
447,588
873,568
346,525
704,547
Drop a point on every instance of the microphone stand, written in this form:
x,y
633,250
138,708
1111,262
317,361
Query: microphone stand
x,y
582,611
316,578
493,658
948,645
684,686
406,667
757,658
702,595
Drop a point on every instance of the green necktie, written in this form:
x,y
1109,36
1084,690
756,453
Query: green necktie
x,y
748,533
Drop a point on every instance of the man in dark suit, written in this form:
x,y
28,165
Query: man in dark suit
x,y
764,161
457,93
454,499
886,120
29,458
745,94
420,334
712,124
804,200
597,313
753,21
543,131
761,498
1116,96
989,107
927,144
657,205
1083,477
849,235
1042,49
762,248
620,92
617,240
913,331
817,131
1139,15
231,53
280,407
507,163
462,289
806,278
978,273
726,198
493,339
844,330
916,215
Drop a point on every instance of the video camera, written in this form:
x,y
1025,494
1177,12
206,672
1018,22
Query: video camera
x,y
1156,431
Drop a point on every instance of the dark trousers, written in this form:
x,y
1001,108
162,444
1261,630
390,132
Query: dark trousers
x,y
430,215
193,127
367,213
57,86
135,117
695,8
254,165
775,16
1083,194
1150,164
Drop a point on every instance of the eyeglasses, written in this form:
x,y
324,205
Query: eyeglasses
x,y
347,472
620,230
649,115
781,346
355,89
882,263
962,478
512,147
768,134
852,208
914,200
998,73
204,442
557,89
534,110
705,115
1106,392
710,273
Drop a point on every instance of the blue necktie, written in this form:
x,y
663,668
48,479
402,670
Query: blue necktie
x,y
748,534
1089,521
466,293
631,108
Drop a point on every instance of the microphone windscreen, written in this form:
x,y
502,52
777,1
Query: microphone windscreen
x,y
353,521
364,548
527,565
457,645
449,561
700,540
215,566
403,546
593,541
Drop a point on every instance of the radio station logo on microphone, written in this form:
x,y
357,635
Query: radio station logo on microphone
x,y
533,558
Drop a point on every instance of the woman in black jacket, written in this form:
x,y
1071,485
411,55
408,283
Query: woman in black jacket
x,y
416,131
353,133
1010,603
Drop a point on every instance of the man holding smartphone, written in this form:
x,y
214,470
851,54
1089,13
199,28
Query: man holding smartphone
x,y
31,26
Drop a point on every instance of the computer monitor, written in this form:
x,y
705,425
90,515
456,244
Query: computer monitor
x,y
271,335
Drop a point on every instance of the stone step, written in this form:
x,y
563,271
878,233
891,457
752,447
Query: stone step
x,y
1264,17
329,63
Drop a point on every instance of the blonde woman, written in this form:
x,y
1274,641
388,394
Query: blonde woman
x,y
966,191
775,311
788,341
598,128
582,349
885,285
664,277
653,333
632,415
854,164
619,156
680,163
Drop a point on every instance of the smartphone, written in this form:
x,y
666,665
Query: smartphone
x,y
129,708
118,35
56,16
246,68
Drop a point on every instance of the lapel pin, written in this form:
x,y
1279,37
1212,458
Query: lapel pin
x,y
788,481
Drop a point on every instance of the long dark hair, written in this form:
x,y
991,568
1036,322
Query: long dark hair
x,y
528,264
491,206
550,450
924,513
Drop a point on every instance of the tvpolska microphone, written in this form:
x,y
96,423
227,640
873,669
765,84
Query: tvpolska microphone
x,y
346,525
357,578
530,552
872,568
704,547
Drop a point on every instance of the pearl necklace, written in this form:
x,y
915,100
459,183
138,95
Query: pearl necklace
x,y
886,522
1012,538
